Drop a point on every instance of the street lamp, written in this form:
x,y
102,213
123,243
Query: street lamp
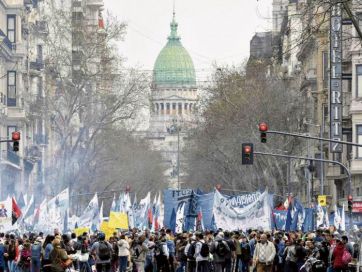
x,y
175,128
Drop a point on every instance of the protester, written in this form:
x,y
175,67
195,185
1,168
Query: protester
x,y
220,249
58,257
102,251
264,255
123,253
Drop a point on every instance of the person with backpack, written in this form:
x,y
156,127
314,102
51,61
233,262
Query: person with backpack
x,y
24,264
123,253
190,254
231,256
340,257
139,253
219,248
36,255
102,251
161,255
202,252
245,254
180,253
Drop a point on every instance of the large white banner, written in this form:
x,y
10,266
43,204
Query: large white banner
x,y
250,211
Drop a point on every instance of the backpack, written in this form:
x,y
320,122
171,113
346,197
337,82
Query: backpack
x,y
104,252
159,249
204,251
221,249
346,257
318,266
191,252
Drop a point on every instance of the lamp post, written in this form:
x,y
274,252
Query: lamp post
x,y
175,128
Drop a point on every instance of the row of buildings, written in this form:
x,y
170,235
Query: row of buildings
x,y
316,50
25,85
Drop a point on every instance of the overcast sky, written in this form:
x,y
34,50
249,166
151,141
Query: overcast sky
x,y
211,30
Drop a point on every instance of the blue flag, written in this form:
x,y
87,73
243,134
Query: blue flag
x,y
298,216
288,222
172,223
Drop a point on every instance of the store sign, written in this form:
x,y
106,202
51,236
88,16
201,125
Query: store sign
x,y
335,94
357,207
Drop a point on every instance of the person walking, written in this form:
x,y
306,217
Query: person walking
x,y
58,257
102,251
264,255
36,255
202,252
219,248
123,253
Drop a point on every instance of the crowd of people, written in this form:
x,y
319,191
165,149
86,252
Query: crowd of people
x,y
143,251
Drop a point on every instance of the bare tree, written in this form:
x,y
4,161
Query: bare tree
x,y
236,103
89,92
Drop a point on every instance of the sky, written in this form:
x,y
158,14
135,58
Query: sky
x,y
213,31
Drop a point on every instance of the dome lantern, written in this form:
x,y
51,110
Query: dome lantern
x,y
174,66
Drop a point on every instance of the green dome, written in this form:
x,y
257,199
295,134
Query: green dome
x,y
174,66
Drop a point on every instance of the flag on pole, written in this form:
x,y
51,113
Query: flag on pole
x,y
90,215
180,217
16,212
343,220
200,221
337,218
114,204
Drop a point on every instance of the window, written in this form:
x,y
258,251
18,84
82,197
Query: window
x,y
39,53
325,69
359,140
358,191
359,80
11,28
11,89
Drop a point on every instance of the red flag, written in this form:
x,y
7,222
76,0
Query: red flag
x,y
16,212
149,216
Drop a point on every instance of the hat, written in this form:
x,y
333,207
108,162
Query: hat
x,y
220,235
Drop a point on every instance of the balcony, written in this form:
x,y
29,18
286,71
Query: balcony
x,y
96,3
37,65
16,113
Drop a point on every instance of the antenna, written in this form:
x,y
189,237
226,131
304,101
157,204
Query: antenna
x,y
174,8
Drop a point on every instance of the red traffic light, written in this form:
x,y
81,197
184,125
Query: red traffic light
x,y
263,127
350,198
15,136
247,149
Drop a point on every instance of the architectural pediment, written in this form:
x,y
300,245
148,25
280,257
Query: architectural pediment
x,y
173,97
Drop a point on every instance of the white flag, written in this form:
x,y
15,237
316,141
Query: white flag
x,y
145,204
337,218
90,215
320,216
180,216
343,220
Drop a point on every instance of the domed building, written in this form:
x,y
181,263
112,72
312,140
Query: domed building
x,y
173,98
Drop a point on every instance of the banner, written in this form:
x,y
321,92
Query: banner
x,y
180,217
279,219
118,220
249,211
107,230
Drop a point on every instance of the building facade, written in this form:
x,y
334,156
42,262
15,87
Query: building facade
x,y
304,56
174,97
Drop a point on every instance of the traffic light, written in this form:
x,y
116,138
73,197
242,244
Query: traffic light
x,y
15,137
263,128
247,154
350,203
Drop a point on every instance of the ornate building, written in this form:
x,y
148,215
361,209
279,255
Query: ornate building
x,y
173,102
